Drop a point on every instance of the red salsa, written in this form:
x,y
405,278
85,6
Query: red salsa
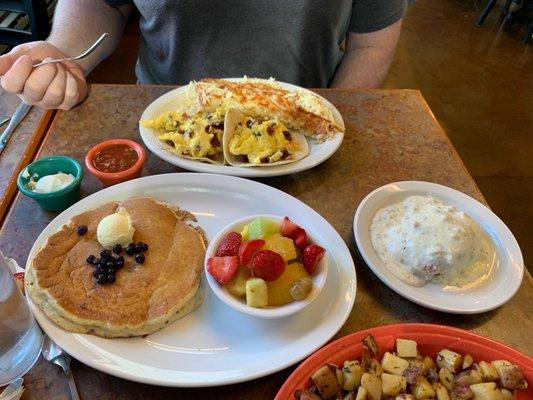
x,y
115,158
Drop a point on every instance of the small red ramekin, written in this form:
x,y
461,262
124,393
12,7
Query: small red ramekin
x,y
112,178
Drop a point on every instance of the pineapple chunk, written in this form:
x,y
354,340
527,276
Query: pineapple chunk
x,y
256,293
393,364
282,245
450,360
352,371
423,389
372,384
406,348
279,290
486,391
237,285
393,384
245,234
488,371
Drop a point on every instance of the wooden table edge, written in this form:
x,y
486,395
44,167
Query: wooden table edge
x,y
31,150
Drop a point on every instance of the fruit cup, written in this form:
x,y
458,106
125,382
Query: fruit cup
x,y
238,303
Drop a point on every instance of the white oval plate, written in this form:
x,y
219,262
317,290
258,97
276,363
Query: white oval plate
x,y
502,283
215,344
175,99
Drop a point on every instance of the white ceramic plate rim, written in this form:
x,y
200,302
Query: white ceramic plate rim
x,y
318,153
510,258
319,277
83,353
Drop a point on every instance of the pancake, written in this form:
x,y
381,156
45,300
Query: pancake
x,y
144,298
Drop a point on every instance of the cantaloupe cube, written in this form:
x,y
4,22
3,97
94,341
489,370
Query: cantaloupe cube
x,y
279,290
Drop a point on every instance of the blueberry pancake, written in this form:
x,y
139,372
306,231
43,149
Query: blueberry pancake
x,y
143,297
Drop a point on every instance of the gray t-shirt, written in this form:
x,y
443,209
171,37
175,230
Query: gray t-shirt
x,y
296,41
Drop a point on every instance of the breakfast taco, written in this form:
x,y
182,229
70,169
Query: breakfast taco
x,y
300,110
197,136
253,142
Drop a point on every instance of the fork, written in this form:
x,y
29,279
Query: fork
x,y
82,55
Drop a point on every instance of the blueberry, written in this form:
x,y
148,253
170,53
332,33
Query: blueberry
x,y
139,258
110,264
105,253
97,272
82,230
143,246
119,264
101,279
121,259
110,271
90,259
117,249
110,278
130,249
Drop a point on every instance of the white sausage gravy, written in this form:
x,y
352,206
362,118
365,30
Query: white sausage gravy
x,y
423,240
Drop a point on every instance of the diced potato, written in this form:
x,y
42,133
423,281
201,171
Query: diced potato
x,y
405,396
393,364
500,363
237,285
282,245
370,343
468,377
308,395
461,392
326,382
486,391
506,394
442,392
467,361
428,362
450,360
446,378
279,290
256,293
511,377
406,348
423,389
349,396
375,368
419,364
362,394
393,385
372,384
488,371
352,372
338,373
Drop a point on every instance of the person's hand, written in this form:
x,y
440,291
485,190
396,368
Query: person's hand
x,y
59,85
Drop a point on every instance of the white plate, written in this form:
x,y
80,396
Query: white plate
x,y
503,281
215,344
175,99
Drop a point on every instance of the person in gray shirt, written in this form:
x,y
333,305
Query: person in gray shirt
x,y
311,43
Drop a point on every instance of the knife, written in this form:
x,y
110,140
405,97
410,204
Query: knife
x,y
19,115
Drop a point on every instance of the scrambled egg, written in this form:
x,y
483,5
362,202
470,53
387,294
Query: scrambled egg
x,y
198,135
262,142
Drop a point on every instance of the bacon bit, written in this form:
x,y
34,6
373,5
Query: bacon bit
x,y
214,141
287,135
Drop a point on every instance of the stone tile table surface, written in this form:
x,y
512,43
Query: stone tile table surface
x,y
20,147
391,135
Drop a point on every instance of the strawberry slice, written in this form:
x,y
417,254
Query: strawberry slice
x,y
288,228
229,246
311,255
223,268
268,265
248,249
300,238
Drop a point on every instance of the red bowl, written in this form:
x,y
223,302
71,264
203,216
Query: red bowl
x,y
111,178
430,338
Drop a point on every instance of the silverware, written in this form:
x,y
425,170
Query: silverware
x,y
19,115
55,354
12,388
82,55
4,119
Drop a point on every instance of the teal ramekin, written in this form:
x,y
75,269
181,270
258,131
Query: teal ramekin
x,y
60,199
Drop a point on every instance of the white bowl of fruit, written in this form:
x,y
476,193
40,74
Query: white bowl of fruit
x,y
266,266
